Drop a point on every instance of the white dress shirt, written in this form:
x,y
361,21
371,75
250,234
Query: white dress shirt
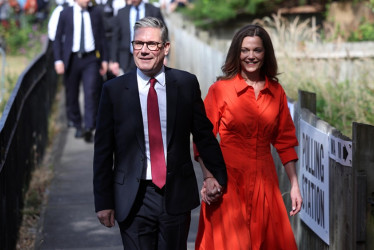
x,y
89,42
160,87
53,20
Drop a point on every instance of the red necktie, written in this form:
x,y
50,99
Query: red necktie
x,y
156,146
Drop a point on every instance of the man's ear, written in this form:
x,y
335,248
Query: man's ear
x,y
167,48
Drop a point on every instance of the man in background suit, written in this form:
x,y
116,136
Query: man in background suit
x,y
153,209
121,58
80,53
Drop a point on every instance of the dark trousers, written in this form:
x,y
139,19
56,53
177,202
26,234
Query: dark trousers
x,y
85,70
150,227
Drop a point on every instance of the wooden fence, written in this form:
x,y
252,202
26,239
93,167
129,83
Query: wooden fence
x,y
351,188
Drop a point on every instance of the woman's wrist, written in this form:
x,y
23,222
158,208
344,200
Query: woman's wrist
x,y
207,177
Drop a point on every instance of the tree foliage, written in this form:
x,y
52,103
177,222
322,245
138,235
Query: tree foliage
x,y
207,13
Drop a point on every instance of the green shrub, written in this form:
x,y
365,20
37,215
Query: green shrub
x,y
206,13
24,40
364,33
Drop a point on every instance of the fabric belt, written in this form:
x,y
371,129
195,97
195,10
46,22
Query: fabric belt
x,y
81,55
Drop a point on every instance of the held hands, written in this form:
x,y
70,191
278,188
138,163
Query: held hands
x,y
211,190
296,200
106,217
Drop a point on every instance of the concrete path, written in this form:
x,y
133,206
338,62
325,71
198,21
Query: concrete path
x,y
69,220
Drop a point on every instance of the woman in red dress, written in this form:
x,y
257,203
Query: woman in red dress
x,y
248,109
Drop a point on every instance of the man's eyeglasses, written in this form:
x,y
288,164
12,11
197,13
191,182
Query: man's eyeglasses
x,y
138,45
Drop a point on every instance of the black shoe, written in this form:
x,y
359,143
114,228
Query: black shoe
x,y
88,135
79,133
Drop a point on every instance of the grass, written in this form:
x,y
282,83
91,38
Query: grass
x,y
13,67
344,87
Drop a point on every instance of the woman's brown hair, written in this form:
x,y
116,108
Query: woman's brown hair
x,y
232,64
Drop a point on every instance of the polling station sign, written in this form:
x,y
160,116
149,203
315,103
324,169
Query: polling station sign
x,y
314,179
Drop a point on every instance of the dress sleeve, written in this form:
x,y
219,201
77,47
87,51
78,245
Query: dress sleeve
x,y
212,109
212,112
285,139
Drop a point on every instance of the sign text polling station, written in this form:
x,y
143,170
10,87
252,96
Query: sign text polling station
x,y
314,179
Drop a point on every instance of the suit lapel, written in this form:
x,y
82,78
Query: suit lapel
x,y
132,101
171,100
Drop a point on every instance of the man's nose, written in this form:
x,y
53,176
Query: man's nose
x,y
145,48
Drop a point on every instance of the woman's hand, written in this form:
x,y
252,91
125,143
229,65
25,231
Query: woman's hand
x,y
296,199
211,190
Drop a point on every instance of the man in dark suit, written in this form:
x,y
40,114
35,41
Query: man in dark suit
x,y
136,137
80,53
121,58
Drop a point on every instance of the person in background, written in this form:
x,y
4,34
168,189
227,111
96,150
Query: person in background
x,y
80,53
248,109
53,20
121,59
109,9
4,13
143,172
174,4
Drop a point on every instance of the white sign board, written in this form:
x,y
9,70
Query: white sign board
x,y
291,107
341,151
314,179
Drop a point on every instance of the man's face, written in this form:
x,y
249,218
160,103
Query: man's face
x,y
135,2
83,3
150,62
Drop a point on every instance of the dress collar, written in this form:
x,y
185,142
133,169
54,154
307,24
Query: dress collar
x,y
241,86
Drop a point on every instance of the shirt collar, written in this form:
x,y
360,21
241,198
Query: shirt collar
x,y
140,6
160,77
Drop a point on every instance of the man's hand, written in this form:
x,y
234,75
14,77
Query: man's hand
x,y
104,68
211,190
106,217
60,68
114,67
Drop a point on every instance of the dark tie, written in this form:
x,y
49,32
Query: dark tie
x,y
156,146
81,47
137,13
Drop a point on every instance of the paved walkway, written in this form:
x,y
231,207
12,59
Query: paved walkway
x,y
69,220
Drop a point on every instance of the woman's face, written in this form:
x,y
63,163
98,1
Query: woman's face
x,y
252,55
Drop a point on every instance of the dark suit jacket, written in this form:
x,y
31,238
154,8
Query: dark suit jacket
x,y
120,157
120,51
63,44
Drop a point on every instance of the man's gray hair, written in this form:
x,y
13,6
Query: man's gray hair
x,y
153,22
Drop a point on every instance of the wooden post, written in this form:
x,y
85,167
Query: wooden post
x,y
363,176
308,100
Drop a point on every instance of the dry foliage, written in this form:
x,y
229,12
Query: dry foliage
x,y
34,200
